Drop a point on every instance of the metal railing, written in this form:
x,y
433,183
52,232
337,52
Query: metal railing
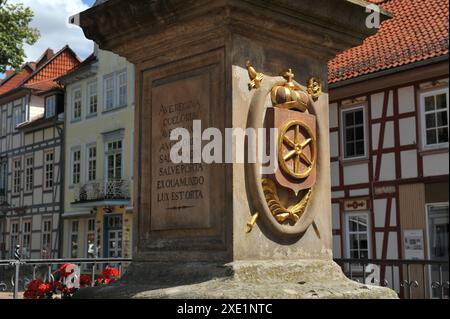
x,y
16,274
411,279
103,190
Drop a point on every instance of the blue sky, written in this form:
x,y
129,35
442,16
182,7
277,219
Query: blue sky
x,y
51,19
89,2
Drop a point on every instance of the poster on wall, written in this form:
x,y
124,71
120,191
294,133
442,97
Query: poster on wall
x,y
414,245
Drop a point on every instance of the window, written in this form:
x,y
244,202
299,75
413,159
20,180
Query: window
x,y
357,226
76,166
354,132
49,166
92,163
3,125
26,239
17,116
47,238
3,178
435,118
73,242
29,174
76,115
14,237
122,84
50,106
114,160
109,92
90,238
17,176
92,98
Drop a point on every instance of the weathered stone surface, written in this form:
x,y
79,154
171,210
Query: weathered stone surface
x,y
208,254
249,280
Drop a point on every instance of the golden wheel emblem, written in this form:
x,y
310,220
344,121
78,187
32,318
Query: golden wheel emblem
x,y
296,162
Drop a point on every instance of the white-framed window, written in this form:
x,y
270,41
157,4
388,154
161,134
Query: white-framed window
x,y
76,166
74,238
17,116
14,237
29,174
50,106
354,132
46,238
17,175
48,169
357,235
26,238
114,160
92,163
76,104
122,88
108,92
92,97
434,110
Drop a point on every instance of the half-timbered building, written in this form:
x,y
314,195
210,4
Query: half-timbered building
x,y
31,136
389,104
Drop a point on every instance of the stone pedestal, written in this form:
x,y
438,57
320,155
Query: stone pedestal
x,y
190,58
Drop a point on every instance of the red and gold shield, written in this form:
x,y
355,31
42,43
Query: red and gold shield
x,y
296,148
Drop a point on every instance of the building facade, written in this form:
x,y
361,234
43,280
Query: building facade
x,y
389,104
31,128
98,219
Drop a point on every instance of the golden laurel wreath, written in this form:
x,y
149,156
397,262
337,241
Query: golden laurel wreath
x,y
279,211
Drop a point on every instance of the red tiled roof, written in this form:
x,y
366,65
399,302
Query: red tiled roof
x,y
42,75
44,86
90,59
59,64
418,31
13,80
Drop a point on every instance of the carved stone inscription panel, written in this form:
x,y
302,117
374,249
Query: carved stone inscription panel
x,y
180,196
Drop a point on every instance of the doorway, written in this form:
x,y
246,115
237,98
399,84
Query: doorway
x,y
113,236
438,238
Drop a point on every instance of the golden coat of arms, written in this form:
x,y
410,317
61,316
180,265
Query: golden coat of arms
x,y
288,190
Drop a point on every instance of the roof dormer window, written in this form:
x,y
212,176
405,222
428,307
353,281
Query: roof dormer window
x,y
50,106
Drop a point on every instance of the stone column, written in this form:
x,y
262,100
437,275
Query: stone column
x,y
212,230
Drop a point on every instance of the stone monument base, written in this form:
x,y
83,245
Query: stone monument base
x,y
303,279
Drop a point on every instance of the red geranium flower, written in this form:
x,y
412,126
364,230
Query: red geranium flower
x,y
110,272
37,289
58,285
45,288
85,281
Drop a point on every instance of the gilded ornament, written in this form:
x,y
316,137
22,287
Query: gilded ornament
x,y
255,77
314,88
279,211
288,95
296,151
251,222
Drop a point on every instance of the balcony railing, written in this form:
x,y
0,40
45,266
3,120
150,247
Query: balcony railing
x,y
102,190
411,279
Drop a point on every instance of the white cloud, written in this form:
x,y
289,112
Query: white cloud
x,y
51,18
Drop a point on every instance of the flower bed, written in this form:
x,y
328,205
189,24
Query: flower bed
x,y
67,283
